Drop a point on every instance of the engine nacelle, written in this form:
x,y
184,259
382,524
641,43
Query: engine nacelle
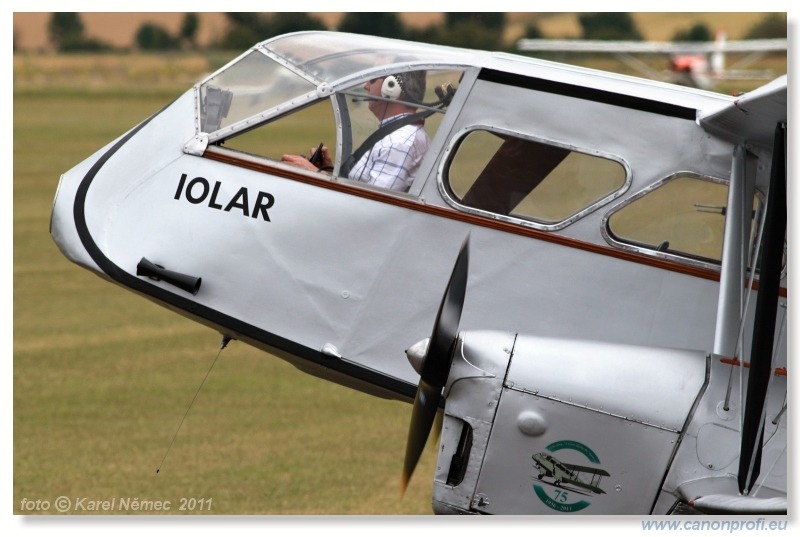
x,y
541,426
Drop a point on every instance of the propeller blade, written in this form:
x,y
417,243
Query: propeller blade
x,y
426,405
436,366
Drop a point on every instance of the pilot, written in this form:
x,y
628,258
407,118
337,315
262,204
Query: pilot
x,y
393,153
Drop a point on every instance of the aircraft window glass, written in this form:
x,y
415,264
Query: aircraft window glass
x,y
684,216
332,56
253,84
393,120
292,134
346,123
525,179
363,118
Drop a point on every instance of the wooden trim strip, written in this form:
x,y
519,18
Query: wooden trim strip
x,y
734,361
472,219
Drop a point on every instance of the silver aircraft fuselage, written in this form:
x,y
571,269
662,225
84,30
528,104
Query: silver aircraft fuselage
x,y
339,277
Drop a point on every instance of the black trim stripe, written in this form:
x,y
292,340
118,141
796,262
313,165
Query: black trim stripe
x,y
231,326
589,94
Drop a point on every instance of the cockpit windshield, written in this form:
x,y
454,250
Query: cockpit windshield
x,y
253,84
334,56
371,105
289,70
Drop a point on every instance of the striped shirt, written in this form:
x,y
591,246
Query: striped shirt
x,y
394,160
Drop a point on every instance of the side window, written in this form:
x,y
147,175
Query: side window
x,y
392,121
376,136
684,216
530,180
254,84
294,134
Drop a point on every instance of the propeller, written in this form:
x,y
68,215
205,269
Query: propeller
x,y
435,366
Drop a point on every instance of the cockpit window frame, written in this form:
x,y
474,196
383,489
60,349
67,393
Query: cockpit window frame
x,y
452,149
648,250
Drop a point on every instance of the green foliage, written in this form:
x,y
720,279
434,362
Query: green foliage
x,y
472,34
151,36
64,27
697,33
429,34
470,30
532,31
239,38
609,26
256,22
493,21
247,29
772,26
474,30
84,44
287,22
189,27
380,24
65,31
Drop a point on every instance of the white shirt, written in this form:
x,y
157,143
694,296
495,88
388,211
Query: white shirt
x,y
394,160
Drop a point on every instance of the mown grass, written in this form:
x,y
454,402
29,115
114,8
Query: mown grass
x,y
102,377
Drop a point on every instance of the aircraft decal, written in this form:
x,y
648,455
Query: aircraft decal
x,y
199,189
567,479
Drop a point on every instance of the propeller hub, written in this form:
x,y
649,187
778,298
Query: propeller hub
x,y
416,354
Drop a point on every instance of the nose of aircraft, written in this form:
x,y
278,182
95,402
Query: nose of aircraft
x,y
63,227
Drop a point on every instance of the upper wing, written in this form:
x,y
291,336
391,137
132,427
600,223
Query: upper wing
x,y
652,47
752,117
588,469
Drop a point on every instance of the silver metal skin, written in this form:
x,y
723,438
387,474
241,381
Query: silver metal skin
x,y
609,356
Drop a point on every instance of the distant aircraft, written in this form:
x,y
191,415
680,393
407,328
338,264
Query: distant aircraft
x,y
699,64
599,260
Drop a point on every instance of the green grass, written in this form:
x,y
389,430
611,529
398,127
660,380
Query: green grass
x,y
102,377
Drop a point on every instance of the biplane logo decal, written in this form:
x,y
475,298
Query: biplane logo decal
x,y
565,480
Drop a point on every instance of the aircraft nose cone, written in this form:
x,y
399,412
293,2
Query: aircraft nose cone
x,y
416,354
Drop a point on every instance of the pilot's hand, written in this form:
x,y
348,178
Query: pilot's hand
x,y
303,162
299,161
327,160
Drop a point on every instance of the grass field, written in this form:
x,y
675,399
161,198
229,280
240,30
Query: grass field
x,y
102,378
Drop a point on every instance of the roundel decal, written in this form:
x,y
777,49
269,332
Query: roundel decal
x,y
563,485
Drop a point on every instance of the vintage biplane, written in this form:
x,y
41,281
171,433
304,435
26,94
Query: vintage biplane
x,y
583,477
599,261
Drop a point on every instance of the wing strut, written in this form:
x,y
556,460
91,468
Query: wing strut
x,y
766,313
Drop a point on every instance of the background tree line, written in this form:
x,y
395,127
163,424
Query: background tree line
x,y
484,31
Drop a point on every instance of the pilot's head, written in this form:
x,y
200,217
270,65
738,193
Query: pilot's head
x,y
408,87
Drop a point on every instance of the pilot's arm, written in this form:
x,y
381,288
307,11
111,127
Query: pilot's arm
x,y
303,162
